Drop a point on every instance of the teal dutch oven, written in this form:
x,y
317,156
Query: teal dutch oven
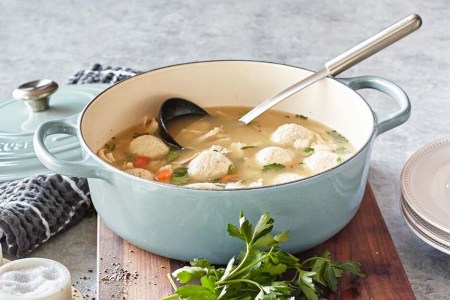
x,y
184,223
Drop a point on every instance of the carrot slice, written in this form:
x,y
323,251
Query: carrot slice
x,y
163,175
229,177
140,161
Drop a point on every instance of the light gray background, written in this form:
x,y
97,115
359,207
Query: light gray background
x,y
54,39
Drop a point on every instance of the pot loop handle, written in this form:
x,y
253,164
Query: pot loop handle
x,y
84,168
384,122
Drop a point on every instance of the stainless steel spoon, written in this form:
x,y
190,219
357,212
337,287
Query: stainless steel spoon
x,y
344,61
177,107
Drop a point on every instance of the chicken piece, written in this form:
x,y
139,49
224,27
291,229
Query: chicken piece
x,y
208,165
234,185
210,134
142,173
220,149
257,183
127,165
287,177
151,125
274,155
293,135
166,167
108,157
322,160
150,146
236,150
321,147
203,186
186,131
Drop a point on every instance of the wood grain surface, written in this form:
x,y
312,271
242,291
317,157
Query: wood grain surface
x,y
127,272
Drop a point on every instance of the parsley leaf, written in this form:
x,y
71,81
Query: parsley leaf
x,y
301,117
129,157
339,138
273,167
195,292
110,147
200,262
172,155
231,169
247,147
308,151
187,274
179,175
341,150
261,270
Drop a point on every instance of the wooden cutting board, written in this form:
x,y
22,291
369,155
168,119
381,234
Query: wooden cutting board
x,y
127,272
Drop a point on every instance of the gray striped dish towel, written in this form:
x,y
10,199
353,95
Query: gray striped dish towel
x,y
34,209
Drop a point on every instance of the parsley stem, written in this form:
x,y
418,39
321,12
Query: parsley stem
x,y
235,272
174,296
308,260
260,268
294,278
232,273
242,280
172,282
256,262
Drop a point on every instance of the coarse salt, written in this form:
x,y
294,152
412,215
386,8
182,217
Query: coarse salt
x,y
32,281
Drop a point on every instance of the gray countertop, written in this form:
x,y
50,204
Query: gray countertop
x,y
54,39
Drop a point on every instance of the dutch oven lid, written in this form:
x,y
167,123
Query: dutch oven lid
x,y
37,102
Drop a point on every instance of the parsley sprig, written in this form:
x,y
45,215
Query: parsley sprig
x,y
339,138
308,151
179,175
273,167
301,117
261,271
110,147
172,155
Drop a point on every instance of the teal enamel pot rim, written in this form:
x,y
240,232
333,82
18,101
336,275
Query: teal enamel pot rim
x,y
184,223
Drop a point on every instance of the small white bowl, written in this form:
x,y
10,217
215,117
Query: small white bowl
x,y
60,291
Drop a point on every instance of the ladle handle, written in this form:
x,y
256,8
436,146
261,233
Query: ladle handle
x,y
374,44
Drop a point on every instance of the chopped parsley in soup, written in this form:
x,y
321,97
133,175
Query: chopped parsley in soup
x,y
221,153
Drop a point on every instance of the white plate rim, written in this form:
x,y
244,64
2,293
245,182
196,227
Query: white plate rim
x,y
427,228
406,188
427,239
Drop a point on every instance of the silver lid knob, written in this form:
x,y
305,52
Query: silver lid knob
x,y
36,94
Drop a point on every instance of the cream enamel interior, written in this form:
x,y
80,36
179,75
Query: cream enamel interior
x,y
221,83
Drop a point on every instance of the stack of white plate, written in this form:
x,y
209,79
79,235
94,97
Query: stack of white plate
x,y
425,202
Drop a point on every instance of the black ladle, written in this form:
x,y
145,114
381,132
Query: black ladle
x,y
174,108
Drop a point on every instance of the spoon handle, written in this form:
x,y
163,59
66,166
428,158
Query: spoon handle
x,y
374,44
344,61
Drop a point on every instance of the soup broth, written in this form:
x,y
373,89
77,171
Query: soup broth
x,y
220,152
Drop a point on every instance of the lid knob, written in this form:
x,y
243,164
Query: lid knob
x,y
36,94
